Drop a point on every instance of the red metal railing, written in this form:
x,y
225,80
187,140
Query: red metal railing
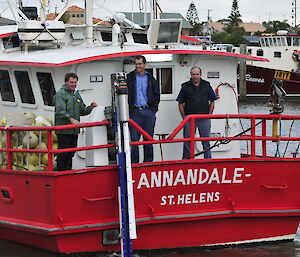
x,y
252,137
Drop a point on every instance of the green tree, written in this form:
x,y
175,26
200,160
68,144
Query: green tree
x,y
274,26
235,38
235,17
197,29
65,18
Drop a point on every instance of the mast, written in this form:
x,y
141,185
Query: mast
x,y
42,10
89,21
294,12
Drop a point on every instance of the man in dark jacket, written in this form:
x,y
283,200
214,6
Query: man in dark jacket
x,y
143,100
69,106
196,97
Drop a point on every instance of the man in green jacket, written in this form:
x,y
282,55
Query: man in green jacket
x,y
69,106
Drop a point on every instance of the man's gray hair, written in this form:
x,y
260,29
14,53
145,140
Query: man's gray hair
x,y
196,67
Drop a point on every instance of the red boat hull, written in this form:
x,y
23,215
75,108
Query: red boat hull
x,y
178,204
259,80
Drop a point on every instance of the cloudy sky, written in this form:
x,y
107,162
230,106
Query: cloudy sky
x,y
251,10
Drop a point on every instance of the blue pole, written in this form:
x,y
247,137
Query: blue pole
x,y
126,241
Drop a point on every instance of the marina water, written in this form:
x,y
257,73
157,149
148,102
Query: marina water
x,y
276,249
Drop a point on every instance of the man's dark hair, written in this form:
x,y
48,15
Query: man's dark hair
x,y
196,67
140,57
70,75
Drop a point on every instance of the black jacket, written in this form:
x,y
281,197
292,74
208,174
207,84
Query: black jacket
x,y
153,94
197,99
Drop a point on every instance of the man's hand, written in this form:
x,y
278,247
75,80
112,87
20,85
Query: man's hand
x,y
74,121
93,105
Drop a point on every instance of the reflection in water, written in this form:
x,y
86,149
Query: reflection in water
x,y
277,249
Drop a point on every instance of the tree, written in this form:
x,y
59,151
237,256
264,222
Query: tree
x,y
197,29
235,17
274,26
192,14
234,38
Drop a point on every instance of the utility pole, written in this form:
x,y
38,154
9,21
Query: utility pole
x,y
294,13
208,16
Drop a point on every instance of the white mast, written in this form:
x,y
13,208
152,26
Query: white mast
x,y
89,21
43,10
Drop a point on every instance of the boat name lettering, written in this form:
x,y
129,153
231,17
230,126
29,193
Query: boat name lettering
x,y
190,177
249,78
194,198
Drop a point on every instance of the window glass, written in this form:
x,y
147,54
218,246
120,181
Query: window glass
x,y
270,41
295,41
47,87
274,41
277,54
6,90
259,52
11,42
164,76
24,87
289,41
279,41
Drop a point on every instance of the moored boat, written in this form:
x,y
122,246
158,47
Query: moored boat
x,y
235,197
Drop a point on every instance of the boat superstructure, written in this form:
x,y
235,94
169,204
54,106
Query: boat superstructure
x,y
282,51
178,203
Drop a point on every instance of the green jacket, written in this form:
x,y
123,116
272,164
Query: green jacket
x,y
69,105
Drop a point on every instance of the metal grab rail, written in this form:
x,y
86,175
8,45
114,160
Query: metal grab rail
x,y
252,137
170,139
50,151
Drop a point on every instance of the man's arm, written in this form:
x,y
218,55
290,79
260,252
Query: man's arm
x,y
211,107
181,109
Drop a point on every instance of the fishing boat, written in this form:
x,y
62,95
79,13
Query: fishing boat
x,y
105,203
282,51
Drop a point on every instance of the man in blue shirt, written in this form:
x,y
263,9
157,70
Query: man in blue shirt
x,y
196,97
143,100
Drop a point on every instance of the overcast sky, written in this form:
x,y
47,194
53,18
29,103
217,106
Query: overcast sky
x,y
251,10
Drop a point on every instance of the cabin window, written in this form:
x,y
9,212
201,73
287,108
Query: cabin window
x,y
7,93
289,41
140,38
11,42
47,87
267,42
164,77
262,42
270,42
295,41
277,54
283,41
259,52
279,41
24,87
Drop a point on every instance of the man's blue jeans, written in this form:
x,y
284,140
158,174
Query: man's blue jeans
x,y
146,120
203,126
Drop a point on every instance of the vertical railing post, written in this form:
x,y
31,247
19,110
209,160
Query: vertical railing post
x,y
264,142
192,138
8,146
50,148
253,146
